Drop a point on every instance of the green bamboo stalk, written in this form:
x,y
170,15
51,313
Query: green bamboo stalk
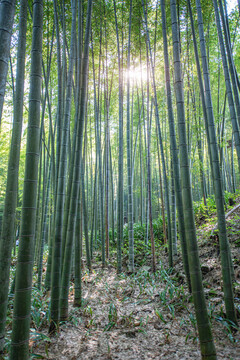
x,y
7,11
129,157
205,335
61,184
228,84
219,198
160,139
77,167
22,301
8,222
174,150
78,259
120,158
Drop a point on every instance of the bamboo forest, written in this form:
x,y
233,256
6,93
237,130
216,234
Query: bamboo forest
x,y
120,179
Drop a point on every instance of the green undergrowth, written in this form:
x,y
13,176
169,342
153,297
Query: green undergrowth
x,y
205,212
142,242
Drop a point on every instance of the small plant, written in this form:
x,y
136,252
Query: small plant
x,y
229,328
88,311
37,337
112,317
40,313
193,320
211,310
74,317
163,296
172,310
160,316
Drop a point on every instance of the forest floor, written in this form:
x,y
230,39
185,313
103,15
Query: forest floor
x,y
147,316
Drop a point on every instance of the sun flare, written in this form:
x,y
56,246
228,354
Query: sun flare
x,y
136,74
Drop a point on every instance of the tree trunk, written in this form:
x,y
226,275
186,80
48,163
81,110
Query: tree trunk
x,y
120,158
77,168
61,184
7,11
129,156
22,301
174,151
8,223
219,198
206,342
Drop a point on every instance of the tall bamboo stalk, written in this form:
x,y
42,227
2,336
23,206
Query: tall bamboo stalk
x,y
8,222
206,341
219,198
23,288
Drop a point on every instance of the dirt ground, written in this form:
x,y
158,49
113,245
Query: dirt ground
x,y
146,317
